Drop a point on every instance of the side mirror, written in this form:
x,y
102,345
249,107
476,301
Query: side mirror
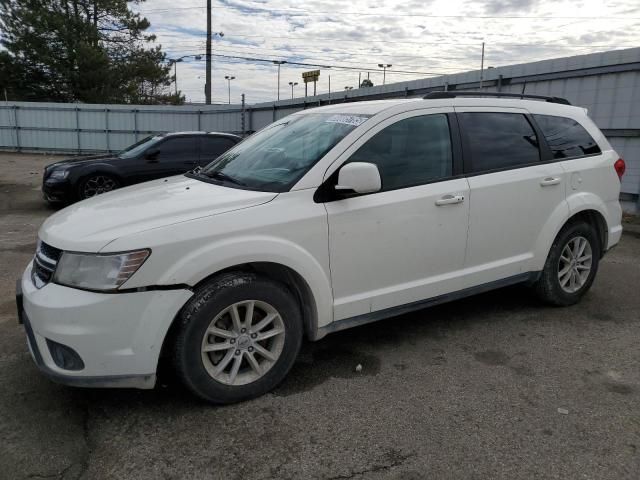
x,y
360,177
151,154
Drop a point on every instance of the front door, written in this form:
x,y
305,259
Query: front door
x,y
407,242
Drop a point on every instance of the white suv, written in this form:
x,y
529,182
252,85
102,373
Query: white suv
x,y
324,220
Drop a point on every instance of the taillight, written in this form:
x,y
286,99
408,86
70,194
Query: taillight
x,y
620,167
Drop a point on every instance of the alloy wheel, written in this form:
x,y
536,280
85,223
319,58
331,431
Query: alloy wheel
x,y
98,184
243,342
575,263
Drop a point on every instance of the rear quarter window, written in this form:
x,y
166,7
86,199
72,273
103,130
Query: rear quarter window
x,y
497,140
566,137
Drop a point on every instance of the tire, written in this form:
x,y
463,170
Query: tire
x,y
549,287
97,183
204,372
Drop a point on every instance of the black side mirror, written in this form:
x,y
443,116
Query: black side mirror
x,y
151,154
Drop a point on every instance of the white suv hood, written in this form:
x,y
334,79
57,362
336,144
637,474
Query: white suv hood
x,y
90,225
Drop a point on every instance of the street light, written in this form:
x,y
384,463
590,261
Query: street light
x,y
348,88
175,61
384,67
228,79
279,62
293,84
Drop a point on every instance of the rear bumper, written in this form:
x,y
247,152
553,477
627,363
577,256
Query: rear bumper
x,y
117,336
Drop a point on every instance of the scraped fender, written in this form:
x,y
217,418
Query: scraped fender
x,y
217,256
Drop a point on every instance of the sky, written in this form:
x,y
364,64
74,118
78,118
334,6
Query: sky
x,y
418,38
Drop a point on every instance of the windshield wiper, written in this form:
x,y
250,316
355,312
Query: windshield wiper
x,y
224,177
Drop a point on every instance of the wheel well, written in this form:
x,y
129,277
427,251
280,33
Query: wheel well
x,y
277,272
101,171
595,218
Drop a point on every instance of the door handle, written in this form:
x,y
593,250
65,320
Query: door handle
x,y
449,200
548,181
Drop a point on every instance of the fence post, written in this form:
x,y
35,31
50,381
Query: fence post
x,y
250,122
16,126
106,127
273,116
199,120
78,128
242,116
135,123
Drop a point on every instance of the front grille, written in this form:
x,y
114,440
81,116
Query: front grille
x,y
44,264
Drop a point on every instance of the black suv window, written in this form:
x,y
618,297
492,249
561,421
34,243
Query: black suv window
x,y
410,152
499,140
213,146
178,147
566,137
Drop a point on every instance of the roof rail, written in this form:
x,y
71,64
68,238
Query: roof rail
x,y
454,94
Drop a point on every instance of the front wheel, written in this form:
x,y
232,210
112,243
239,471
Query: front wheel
x,y
571,265
239,336
96,184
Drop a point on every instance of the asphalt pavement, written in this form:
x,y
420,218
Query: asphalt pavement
x,y
493,386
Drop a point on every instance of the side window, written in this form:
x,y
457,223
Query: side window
x,y
410,152
178,148
211,147
499,140
566,137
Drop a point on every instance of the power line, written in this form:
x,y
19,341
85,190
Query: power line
x,y
301,11
433,43
321,65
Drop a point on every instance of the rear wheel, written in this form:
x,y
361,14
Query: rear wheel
x,y
571,265
96,184
238,338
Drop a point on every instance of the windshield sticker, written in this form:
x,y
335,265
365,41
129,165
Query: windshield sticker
x,y
347,120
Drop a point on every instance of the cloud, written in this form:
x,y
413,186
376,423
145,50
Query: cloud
x,y
493,7
429,37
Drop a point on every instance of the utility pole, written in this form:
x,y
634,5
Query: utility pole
x,y
207,85
228,79
482,66
359,79
175,75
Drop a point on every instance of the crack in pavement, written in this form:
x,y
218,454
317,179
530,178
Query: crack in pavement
x,y
395,457
87,441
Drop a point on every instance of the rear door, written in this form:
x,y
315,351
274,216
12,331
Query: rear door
x,y
211,147
174,155
514,190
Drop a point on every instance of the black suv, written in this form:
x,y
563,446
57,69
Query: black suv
x,y
153,157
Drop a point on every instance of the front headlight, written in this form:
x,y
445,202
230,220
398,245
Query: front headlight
x,y
98,271
59,174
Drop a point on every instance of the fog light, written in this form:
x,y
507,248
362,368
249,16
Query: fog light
x,y
65,357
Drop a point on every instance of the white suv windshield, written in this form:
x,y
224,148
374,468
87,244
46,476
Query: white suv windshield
x,y
275,158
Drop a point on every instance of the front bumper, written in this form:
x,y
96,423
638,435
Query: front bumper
x,y
54,190
118,336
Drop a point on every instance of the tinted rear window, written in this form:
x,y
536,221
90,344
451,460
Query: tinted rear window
x,y
499,140
566,137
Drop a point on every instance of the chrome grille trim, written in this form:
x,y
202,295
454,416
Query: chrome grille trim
x,y
44,264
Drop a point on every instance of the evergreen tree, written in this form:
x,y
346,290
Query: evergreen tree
x,y
92,51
